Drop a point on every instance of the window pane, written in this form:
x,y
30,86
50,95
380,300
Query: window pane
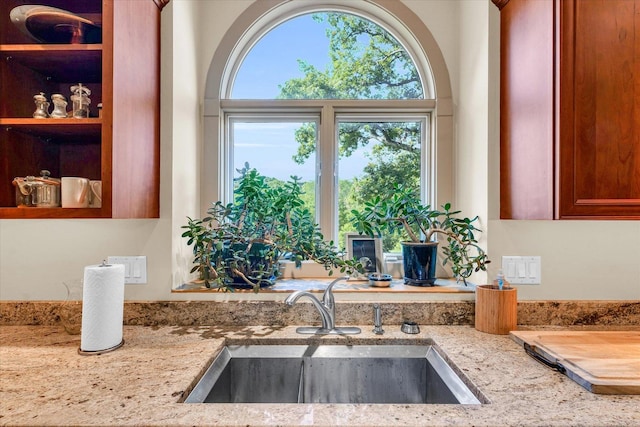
x,y
271,148
375,156
327,55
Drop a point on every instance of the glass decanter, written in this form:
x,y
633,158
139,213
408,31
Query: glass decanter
x,y
59,106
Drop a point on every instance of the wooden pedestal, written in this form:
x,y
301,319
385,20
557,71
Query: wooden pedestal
x,y
496,310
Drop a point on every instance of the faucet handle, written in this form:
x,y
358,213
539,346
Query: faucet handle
x,y
327,296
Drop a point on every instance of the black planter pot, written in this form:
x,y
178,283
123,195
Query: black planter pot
x,y
260,258
419,261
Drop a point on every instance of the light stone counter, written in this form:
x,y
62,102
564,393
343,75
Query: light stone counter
x,y
43,381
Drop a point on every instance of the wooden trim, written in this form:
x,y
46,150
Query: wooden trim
x,y
500,3
107,106
135,149
526,117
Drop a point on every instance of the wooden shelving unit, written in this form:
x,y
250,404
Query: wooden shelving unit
x,y
121,147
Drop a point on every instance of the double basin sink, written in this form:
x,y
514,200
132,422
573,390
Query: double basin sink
x,y
410,374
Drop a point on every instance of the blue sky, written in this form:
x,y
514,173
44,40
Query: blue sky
x,y
270,146
274,58
271,62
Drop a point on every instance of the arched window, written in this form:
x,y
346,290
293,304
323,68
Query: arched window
x,y
342,97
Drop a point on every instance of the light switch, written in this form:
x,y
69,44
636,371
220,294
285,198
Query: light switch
x,y
532,268
510,270
135,268
522,270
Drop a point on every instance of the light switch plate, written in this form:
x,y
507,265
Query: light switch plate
x,y
522,270
135,268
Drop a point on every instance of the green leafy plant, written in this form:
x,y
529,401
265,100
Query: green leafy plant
x,y
401,212
241,242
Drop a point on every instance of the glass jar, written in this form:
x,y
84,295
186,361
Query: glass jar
x,y
71,309
80,100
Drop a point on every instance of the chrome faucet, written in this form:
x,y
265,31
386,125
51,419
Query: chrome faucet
x,y
326,308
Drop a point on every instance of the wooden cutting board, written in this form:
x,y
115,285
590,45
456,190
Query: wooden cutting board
x,y
603,362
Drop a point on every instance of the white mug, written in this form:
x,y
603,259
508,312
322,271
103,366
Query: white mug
x,y
74,192
95,197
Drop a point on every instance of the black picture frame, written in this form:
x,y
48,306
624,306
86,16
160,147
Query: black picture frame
x,y
368,249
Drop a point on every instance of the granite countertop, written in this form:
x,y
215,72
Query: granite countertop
x,y
44,381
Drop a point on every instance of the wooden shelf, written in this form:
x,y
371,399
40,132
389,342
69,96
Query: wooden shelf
x,y
23,49
30,213
60,62
67,129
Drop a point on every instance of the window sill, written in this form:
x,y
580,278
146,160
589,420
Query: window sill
x,y
448,286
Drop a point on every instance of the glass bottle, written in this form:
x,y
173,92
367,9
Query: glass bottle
x,y
80,100
59,106
42,106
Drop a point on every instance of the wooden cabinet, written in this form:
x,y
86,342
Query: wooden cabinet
x,y
121,147
570,109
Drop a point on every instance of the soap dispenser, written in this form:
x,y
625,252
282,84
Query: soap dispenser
x,y
500,282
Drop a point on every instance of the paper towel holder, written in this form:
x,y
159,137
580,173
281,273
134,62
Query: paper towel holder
x,y
106,350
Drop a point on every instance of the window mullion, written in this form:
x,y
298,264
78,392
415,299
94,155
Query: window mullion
x,y
327,181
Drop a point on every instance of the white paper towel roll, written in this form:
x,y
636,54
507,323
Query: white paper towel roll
x,y
102,307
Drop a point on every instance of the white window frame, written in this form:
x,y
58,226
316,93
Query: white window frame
x,y
227,157
328,114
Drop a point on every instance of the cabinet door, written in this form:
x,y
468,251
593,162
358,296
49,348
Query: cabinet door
x,y
599,152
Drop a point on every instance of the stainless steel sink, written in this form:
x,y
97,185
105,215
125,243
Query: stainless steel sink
x,y
331,374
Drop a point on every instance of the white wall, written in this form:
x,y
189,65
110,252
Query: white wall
x,y
580,259
182,138
472,112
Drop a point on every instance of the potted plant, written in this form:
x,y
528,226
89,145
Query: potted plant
x,y
401,212
239,244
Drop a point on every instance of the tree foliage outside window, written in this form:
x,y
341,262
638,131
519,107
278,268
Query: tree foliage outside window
x,y
366,62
